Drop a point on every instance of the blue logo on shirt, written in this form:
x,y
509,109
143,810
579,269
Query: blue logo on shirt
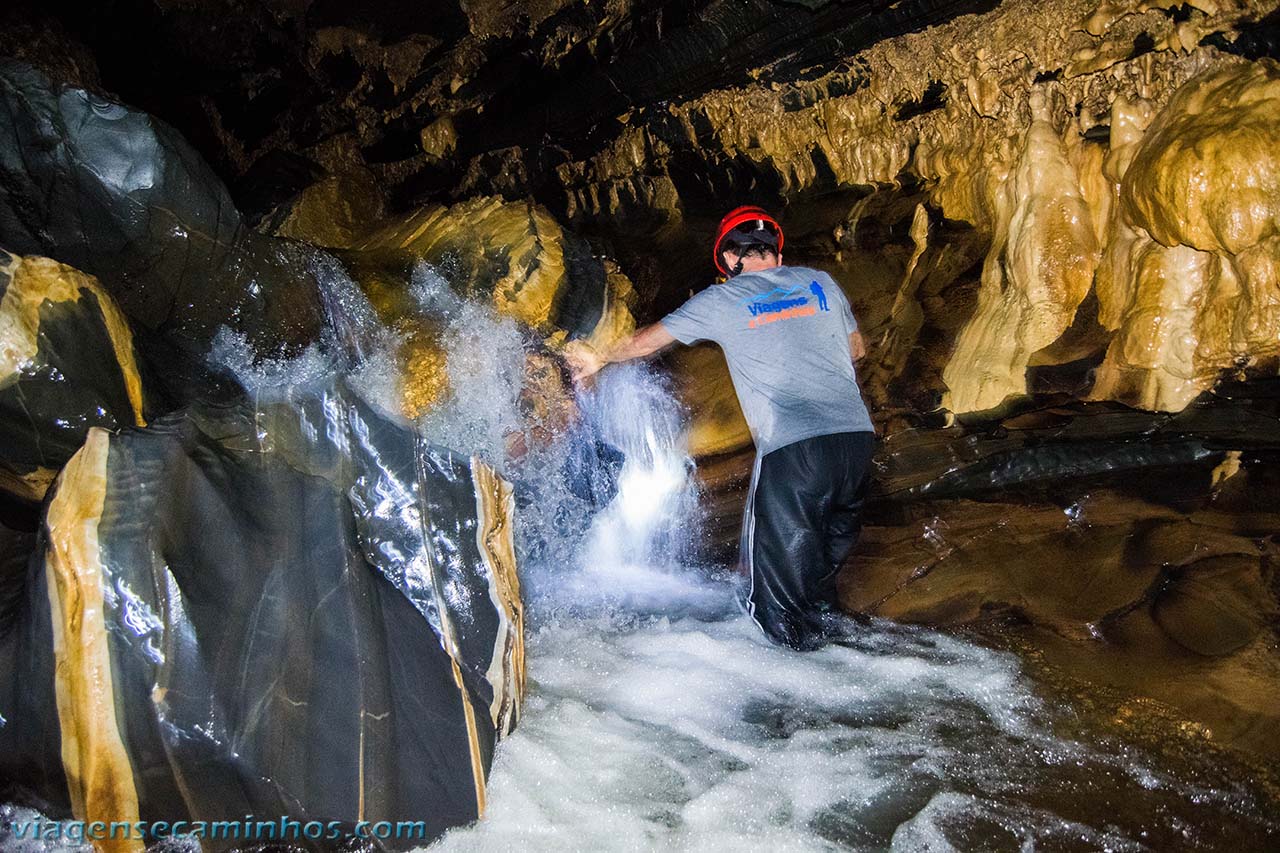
x,y
816,290
757,304
777,291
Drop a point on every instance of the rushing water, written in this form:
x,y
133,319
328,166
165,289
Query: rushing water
x,y
684,729
658,716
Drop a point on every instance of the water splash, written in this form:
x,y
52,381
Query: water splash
x,y
636,553
658,716
485,362
353,342
626,533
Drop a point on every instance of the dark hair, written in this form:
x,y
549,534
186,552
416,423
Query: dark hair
x,y
761,250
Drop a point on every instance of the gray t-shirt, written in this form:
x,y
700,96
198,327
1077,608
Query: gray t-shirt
x,y
785,333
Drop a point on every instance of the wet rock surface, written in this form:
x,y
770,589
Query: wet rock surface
x,y
67,363
235,595
1129,537
121,196
513,255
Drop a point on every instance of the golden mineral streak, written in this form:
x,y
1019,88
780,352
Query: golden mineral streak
x,y
31,485
473,734
495,509
122,344
99,773
360,803
35,281
32,282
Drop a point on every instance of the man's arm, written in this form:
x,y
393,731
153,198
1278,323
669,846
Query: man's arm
x,y
857,347
585,361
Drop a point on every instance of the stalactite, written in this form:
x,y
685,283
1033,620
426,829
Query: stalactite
x,y
1190,282
906,315
1039,269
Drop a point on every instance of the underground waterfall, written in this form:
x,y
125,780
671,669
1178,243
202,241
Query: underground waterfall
x,y
345,505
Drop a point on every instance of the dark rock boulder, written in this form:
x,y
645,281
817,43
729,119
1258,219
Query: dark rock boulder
x,y
33,770
67,363
297,609
120,195
16,547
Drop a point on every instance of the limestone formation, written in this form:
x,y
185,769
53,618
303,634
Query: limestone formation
x,y
1124,542
421,95
1019,122
299,609
334,212
705,387
1037,273
874,119
514,256
1190,283
511,255
1217,605
67,364
906,317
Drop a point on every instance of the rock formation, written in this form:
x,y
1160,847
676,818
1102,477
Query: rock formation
x,y
67,364
119,195
512,255
209,581
1038,271
302,609
1190,284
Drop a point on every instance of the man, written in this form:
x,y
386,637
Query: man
x,y
790,339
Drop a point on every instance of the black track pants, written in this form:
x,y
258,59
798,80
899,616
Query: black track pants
x,y
803,516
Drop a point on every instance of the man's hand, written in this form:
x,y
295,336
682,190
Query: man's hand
x,y
583,360
857,347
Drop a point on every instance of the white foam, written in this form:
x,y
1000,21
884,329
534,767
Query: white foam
x,y
702,735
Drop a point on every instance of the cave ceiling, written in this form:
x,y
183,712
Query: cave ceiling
x,y
435,98
635,124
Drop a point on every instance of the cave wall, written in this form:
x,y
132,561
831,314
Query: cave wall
x,y
1022,124
443,100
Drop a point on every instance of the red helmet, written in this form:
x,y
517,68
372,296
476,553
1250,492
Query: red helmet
x,y
752,225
